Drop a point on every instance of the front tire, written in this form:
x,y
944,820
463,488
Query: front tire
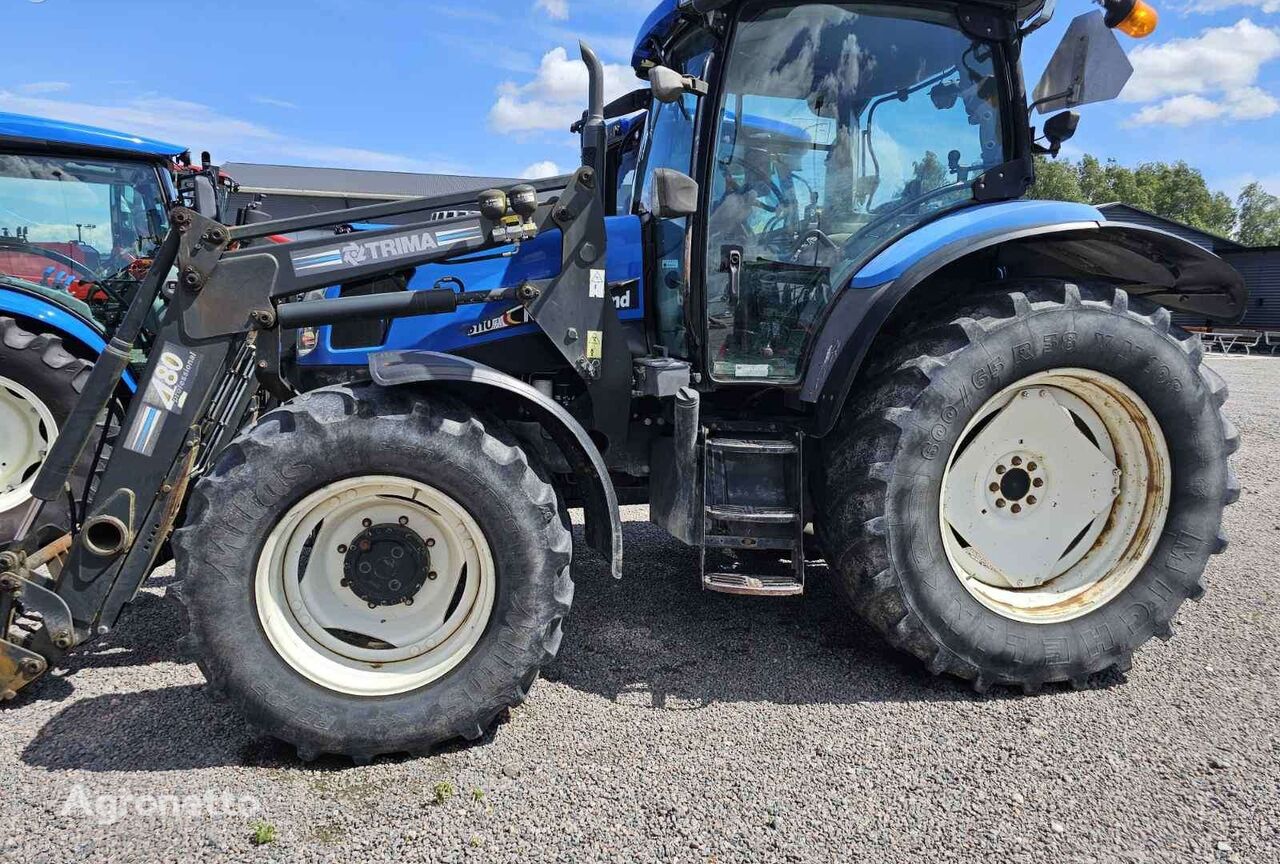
x,y
368,573
39,385
918,513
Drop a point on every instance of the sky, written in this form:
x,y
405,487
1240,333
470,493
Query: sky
x,y
490,88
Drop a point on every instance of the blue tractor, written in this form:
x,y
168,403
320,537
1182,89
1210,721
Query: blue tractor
x,y
806,313
82,211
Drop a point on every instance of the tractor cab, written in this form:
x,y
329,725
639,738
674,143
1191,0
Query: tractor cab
x,y
818,134
83,210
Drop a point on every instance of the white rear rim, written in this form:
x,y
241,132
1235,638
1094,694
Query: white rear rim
x,y
1055,496
27,430
375,586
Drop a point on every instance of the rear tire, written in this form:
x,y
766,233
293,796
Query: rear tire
x,y
39,385
887,468
452,465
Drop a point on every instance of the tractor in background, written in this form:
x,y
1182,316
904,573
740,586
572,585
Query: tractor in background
x,y
82,211
823,303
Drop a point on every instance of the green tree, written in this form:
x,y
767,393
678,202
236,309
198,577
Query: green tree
x,y
929,172
1179,192
1056,181
1259,217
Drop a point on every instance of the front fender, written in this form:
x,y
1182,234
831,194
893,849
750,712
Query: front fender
x,y
1030,239
603,521
56,318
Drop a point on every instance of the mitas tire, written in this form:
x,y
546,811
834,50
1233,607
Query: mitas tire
x,y
881,481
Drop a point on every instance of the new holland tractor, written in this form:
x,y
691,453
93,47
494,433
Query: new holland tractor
x,y
82,210
823,305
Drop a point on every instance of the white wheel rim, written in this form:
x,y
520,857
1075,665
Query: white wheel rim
x,y
328,632
1055,496
27,430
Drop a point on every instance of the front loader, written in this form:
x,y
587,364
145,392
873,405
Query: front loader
x,y
852,338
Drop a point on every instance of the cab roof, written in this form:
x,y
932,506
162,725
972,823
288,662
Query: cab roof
x,y
663,19
57,133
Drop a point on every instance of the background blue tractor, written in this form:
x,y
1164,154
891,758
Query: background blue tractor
x,y
82,211
821,307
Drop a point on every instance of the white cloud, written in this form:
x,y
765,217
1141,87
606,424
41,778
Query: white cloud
x,y
36,88
1206,6
274,103
1219,59
202,127
539,170
557,9
556,97
1249,103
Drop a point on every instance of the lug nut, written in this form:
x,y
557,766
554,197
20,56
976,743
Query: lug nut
x,y
1017,460
1037,482
368,523
994,487
1031,466
404,520
433,575
31,668
1000,469
1016,508
1031,499
1000,502
342,549
431,542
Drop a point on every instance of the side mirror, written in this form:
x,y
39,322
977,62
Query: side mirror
x,y
675,194
668,85
204,198
1088,66
1060,128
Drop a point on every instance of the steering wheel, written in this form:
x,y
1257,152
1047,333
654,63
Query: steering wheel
x,y
762,175
818,239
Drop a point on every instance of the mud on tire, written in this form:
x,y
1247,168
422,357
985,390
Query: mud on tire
x,y
347,432
882,472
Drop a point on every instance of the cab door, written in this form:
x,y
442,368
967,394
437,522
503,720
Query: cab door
x,y
670,142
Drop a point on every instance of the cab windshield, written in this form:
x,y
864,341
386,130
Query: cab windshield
x,y
840,127
71,222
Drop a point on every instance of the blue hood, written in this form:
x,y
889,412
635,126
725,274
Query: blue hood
x,y
78,135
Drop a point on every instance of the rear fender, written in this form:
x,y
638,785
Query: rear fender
x,y
603,522
1146,262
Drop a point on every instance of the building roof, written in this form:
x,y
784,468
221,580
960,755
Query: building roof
x,y
351,183
1208,240
58,132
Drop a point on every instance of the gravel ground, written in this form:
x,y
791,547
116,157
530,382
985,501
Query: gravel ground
x,y
679,725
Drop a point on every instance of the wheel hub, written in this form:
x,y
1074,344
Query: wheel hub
x,y
1054,495
386,565
28,430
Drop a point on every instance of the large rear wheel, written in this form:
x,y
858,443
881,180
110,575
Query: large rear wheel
x,y
1032,487
370,573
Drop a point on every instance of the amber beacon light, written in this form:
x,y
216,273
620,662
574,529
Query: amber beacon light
x,y
1134,17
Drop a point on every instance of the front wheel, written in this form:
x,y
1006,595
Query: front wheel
x,y
368,573
1033,487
